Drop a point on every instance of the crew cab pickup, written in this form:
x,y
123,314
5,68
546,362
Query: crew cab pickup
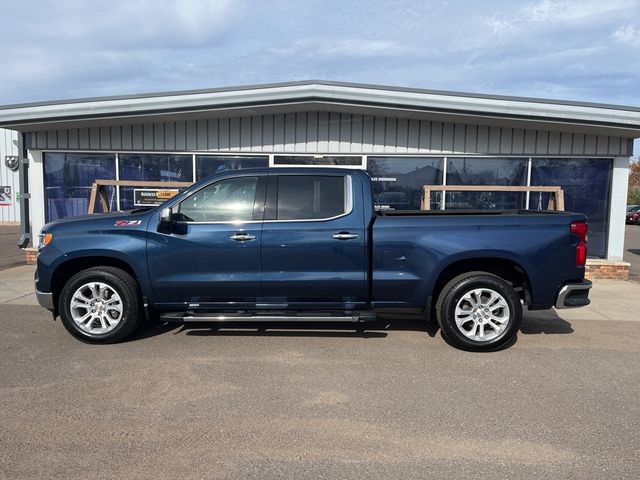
x,y
308,244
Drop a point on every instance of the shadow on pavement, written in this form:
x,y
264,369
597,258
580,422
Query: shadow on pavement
x,y
547,322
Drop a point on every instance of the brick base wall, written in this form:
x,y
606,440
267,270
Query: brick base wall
x,y
31,255
607,270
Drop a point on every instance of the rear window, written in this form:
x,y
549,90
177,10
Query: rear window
x,y
310,197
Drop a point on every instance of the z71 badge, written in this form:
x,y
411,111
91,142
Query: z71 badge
x,y
127,223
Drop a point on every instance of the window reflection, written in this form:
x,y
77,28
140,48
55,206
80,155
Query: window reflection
x,y
152,167
398,181
486,171
207,165
587,186
68,178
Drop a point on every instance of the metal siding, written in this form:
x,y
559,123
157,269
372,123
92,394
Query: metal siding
x,y
368,125
530,142
378,134
518,141
447,137
201,135
223,134
63,138
602,145
554,143
589,144
8,140
344,145
289,132
234,134
413,136
256,133
494,140
245,133
506,140
482,141
566,143
267,132
578,144
278,132
312,132
436,136
328,132
542,143
158,136
334,132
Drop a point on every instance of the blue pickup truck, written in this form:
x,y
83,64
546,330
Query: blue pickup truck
x,y
307,244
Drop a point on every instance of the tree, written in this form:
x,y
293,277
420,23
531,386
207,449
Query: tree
x,y
633,197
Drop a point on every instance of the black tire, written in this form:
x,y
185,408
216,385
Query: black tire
x,y
455,290
123,284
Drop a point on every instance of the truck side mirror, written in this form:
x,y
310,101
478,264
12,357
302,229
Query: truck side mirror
x,y
165,220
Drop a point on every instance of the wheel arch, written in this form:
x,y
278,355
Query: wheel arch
x,y
70,267
506,268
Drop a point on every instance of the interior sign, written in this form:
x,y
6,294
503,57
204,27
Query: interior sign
x,y
145,197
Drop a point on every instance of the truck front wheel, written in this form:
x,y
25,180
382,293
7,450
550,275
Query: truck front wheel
x,y
100,305
479,311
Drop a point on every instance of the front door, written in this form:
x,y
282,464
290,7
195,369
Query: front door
x,y
313,242
211,257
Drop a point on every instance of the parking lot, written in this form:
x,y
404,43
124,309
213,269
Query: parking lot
x,y
388,400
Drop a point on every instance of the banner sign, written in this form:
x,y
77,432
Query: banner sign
x,y
149,197
6,198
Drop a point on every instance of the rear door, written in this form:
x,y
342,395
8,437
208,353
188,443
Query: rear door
x,y
313,242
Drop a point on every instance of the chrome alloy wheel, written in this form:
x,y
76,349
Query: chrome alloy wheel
x,y
482,314
96,308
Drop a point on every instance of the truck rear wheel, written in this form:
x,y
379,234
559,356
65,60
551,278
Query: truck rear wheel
x,y
100,305
479,311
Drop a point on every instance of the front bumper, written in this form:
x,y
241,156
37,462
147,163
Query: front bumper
x,y
573,295
45,299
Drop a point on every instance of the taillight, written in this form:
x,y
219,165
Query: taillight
x,y
581,229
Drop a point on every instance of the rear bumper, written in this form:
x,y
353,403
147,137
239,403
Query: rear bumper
x,y
45,299
575,294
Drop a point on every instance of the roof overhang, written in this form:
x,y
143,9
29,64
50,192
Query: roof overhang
x,y
319,95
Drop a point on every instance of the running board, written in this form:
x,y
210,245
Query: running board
x,y
255,317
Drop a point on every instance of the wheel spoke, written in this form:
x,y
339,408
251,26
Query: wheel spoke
x,y
96,307
487,309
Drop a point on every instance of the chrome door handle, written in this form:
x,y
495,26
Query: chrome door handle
x,y
345,236
242,237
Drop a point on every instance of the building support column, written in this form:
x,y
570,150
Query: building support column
x,y
36,188
618,209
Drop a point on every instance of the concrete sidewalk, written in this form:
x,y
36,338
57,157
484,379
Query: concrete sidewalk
x,y
610,299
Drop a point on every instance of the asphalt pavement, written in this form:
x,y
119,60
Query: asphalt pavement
x,y
392,400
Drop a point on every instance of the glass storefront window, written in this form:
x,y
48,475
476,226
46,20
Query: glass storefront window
x,y
486,171
152,167
67,181
398,181
207,165
587,186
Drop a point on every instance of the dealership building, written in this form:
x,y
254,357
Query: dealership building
x,y
406,138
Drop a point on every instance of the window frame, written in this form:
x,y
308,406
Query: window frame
x,y
271,202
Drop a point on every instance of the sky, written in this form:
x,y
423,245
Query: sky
x,y
586,50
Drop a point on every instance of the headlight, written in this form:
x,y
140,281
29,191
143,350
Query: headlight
x,y
44,239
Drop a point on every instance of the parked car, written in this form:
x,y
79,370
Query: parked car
x,y
306,244
633,208
633,215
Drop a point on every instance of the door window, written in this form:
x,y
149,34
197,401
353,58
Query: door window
x,y
311,197
229,200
